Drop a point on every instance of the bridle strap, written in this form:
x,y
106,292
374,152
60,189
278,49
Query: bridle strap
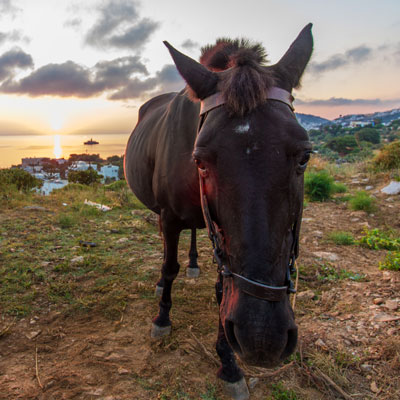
x,y
274,93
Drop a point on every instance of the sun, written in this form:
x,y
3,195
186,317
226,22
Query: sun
x,y
56,122
57,150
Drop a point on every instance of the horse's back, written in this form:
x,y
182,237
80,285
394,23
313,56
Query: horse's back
x,y
159,151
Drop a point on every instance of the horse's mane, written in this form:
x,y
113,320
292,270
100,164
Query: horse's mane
x,y
244,80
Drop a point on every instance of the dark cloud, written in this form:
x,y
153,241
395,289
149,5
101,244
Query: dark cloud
x,y
118,78
189,44
12,60
351,56
119,26
340,101
13,36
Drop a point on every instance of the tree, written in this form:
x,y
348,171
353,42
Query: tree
x,y
19,178
342,144
88,177
368,135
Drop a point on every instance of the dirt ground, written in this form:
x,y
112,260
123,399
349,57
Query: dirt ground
x,y
349,329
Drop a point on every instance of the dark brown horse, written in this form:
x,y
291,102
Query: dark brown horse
x,y
228,153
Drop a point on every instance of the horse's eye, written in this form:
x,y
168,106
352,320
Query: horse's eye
x,y
304,161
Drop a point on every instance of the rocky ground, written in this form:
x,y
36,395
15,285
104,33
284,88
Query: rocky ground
x,y
93,342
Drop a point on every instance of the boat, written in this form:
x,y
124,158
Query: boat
x,y
91,141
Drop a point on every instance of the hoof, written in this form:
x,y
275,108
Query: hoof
x,y
192,272
237,390
159,331
159,290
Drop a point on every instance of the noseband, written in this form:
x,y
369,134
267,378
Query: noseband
x,y
249,286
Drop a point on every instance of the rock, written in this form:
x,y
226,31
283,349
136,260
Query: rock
x,y
306,219
77,260
318,233
378,300
391,305
326,255
122,240
383,317
374,388
122,371
35,208
96,392
369,187
366,367
305,295
321,343
252,383
392,188
31,335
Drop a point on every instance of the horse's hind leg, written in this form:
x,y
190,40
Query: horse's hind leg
x,y
193,270
171,230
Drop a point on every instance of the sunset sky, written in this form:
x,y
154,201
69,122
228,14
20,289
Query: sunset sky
x,y
85,67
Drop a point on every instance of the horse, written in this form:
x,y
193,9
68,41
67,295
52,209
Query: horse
x,y
227,153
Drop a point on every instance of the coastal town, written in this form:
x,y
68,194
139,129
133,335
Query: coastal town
x,y
54,172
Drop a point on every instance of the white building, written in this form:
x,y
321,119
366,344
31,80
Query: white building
x,y
82,166
49,186
109,171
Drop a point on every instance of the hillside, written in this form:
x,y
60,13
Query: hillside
x,y
77,302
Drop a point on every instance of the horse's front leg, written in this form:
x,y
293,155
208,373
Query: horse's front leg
x,y
193,270
229,372
171,230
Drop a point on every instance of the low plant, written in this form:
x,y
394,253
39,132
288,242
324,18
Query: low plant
x,y
280,393
328,272
391,262
341,238
66,221
375,239
318,186
339,187
388,158
362,201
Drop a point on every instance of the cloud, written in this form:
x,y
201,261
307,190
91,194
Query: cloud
x,y
340,101
73,22
119,26
7,7
12,60
355,55
189,44
117,78
13,36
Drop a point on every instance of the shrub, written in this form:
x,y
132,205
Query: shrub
x,y
388,158
116,186
375,239
88,177
362,201
66,221
343,144
370,135
341,238
392,262
18,178
339,187
318,186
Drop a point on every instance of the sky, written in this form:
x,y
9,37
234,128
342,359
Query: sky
x,y
72,67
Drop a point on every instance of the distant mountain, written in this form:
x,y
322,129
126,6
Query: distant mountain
x,y
308,121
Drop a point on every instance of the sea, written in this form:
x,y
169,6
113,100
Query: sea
x,y
15,147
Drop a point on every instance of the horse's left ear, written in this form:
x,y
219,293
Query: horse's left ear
x,y
292,65
202,81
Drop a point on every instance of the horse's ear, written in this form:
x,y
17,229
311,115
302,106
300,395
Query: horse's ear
x,y
292,65
202,81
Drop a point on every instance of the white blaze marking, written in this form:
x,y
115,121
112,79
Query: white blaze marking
x,y
242,128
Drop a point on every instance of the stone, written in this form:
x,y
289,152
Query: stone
x,y
391,305
122,240
369,187
35,208
392,188
326,255
77,260
122,371
383,317
378,300
31,335
305,295
253,382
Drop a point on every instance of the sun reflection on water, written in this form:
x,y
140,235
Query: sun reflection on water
x,y
57,146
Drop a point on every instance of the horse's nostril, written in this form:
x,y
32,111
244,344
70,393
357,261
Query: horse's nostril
x,y
231,337
291,343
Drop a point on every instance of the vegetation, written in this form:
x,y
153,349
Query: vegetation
x,y
18,179
341,238
391,262
388,158
375,239
362,201
318,186
88,177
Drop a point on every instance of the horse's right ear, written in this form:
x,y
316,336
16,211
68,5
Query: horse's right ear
x,y
202,81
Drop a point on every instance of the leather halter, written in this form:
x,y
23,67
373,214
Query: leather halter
x,y
249,286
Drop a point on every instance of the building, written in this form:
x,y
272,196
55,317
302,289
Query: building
x,y
109,171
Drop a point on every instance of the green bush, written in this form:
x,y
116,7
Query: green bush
x,y
19,179
375,239
88,177
116,186
388,158
339,187
392,262
370,135
342,144
341,238
66,221
318,186
362,201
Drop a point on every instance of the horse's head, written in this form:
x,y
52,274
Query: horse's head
x,y
251,153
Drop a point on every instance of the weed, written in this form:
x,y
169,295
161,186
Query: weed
x,y
392,261
318,186
66,221
341,238
280,393
339,187
210,393
375,239
388,158
362,201
328,272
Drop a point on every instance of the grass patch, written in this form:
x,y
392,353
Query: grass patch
x,y
318,186
327,272
376,239
391,262
341,238
279,392
362,201
339,187
66,221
